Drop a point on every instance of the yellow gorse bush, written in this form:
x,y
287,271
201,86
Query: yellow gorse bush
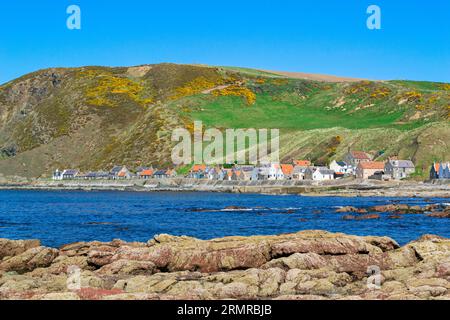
x,y
108,84
195,86
238,91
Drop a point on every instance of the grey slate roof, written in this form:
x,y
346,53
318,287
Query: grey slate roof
x,y
401,163
70,172
326,171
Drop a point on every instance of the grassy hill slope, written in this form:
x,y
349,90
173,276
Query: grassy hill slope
x,y
95,117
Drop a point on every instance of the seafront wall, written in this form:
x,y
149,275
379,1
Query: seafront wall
x,y
344,187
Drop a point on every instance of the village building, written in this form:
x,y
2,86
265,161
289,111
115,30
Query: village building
x,y
287,170
247,173
120,172
91,176
102,175
263,173
399,169
239,174
440,171
57,175
198,171
299,172
232,174
319,174
342,168
81,176
145,173
213,173
161,174
380,175
69,174
354,158
302,163
368,168
221,175
275,172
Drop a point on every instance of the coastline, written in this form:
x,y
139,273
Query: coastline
x,y
307,265
343,188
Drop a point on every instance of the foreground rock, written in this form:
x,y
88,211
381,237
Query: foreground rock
x,y
304,265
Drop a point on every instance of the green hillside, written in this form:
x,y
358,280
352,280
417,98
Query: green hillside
x,y
95,117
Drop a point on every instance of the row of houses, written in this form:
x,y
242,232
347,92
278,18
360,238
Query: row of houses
x,y
302,170
362,169
440,170
116,173
355,164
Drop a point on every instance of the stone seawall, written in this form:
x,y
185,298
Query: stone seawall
x,y
345,187
304,265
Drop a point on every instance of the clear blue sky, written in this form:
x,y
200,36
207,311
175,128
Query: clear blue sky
x,y
328,36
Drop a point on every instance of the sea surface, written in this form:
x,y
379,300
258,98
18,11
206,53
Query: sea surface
x,y
62,217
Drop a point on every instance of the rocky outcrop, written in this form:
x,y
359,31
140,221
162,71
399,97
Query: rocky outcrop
x,y
16,247
304,265
397,209
351,209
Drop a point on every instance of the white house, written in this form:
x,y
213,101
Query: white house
x,y
319,174
342,167
275,172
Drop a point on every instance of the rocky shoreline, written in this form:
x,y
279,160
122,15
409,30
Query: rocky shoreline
x,y
303,265
342,188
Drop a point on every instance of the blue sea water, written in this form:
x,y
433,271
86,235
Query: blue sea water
x,y
61,217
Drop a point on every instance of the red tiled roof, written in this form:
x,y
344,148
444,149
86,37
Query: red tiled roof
x,y
287,169
377,165
360,155
148,172
302,163
199,167
436,167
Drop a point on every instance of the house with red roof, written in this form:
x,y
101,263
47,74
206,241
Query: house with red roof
x,y
368,168
145,174
354,158
302,163
287,170
440,170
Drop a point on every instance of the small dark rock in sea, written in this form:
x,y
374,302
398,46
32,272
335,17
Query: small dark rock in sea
x,y
290,211
100,223
317,211
302,220
351,209
197,210
442,214
361,217
368,217
395,216
235,208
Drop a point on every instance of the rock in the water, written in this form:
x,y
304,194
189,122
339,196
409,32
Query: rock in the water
x,y
351,209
